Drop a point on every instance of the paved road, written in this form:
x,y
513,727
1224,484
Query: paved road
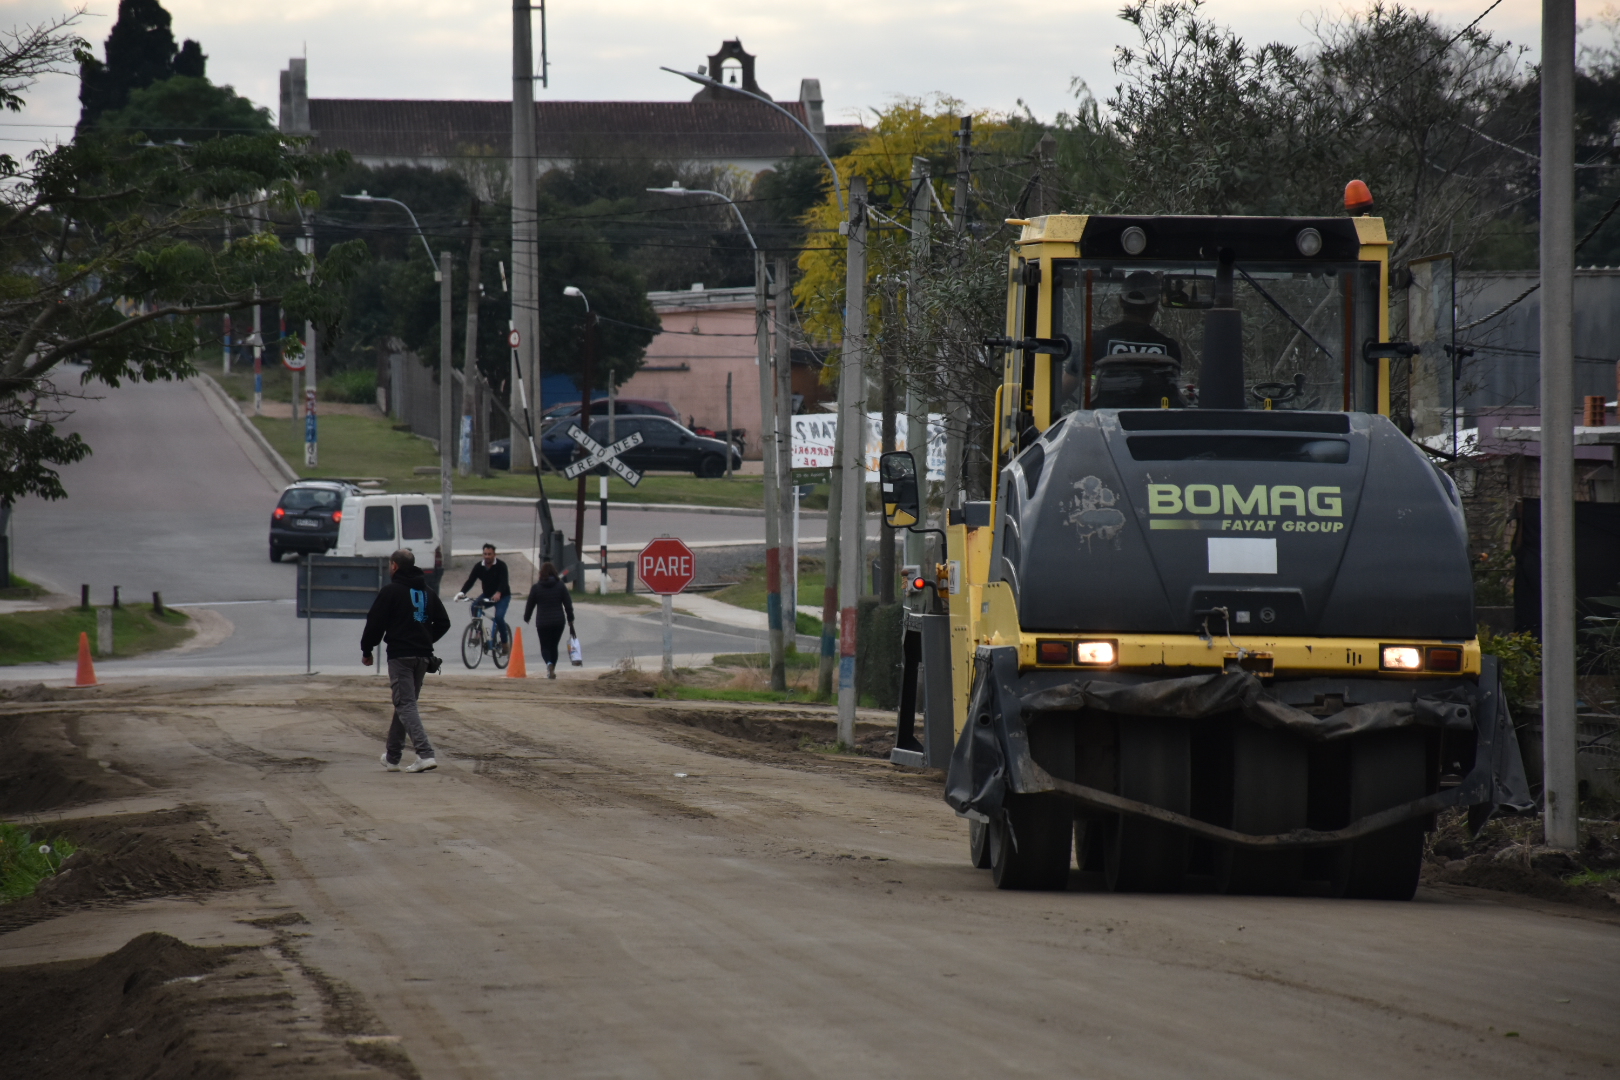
x,y
176,498
593,890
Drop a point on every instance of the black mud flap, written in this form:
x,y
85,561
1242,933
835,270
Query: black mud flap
x,y
992,754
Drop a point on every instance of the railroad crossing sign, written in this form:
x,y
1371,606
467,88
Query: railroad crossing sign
x,y
667,565
597,455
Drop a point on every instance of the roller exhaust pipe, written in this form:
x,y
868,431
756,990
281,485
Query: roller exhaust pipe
x,y
1220,377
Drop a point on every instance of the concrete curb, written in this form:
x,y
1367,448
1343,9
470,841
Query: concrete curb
x,y
278,462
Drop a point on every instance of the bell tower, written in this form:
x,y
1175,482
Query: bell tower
x,y
732,66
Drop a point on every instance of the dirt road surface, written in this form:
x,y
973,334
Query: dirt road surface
x,y
615,888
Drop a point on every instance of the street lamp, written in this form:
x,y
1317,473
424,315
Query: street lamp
x,y
704,80
363,197
676,189
585,425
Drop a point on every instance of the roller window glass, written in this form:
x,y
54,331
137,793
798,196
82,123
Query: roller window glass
x,y
1336,303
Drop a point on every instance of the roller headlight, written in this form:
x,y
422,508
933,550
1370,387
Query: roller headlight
x,y
1134,240
1401,658
1094,653
1309,242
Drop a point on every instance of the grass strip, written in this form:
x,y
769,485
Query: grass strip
x,y
1593,877
796,661
353,447
749,592
37,637
25,862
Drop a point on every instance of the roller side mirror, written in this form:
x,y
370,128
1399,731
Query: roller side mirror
x,y
897,472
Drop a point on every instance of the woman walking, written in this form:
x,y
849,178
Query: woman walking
x,y
551,608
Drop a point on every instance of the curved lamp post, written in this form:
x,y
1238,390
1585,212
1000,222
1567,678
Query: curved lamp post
x,y
704,80
363,197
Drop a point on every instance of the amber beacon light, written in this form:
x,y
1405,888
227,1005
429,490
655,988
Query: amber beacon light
x,y
1357,198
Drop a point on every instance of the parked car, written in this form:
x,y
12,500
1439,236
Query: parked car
x,y
376,525
556,419
307,517
621,407
665,445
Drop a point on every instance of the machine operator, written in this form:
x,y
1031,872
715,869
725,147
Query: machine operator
x,y
1134,333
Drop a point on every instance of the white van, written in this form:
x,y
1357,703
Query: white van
x,y
379,525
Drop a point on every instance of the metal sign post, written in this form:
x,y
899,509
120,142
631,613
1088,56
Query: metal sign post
x,y
667,566
336,587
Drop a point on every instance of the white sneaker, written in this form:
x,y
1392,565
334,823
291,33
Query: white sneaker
x,y
422,764
391,766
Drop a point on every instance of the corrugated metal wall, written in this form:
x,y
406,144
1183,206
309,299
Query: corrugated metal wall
x,y
1504,369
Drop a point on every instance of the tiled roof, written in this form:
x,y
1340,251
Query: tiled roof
x,y
668,130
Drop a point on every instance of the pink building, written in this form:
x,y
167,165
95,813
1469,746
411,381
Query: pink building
x,y
708,334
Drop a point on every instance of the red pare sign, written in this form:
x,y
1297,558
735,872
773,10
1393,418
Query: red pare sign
x,y
667,566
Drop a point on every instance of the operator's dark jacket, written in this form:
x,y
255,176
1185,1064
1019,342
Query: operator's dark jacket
x,y
555,606
407,614
494,578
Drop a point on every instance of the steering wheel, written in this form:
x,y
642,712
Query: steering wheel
x,y
1285,395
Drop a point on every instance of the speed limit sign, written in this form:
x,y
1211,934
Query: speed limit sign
x,y
513,339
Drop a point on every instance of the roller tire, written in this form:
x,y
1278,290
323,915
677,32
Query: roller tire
x,y
472,646
1269,795
979,844
1030,843
1387,768
1155,767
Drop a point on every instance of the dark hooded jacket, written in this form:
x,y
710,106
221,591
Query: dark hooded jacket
x,y
407,614
549,604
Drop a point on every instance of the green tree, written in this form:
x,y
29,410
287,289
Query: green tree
x,y
140,51
185,108
110,253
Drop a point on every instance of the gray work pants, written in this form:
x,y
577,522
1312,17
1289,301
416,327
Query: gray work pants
x,y
405,680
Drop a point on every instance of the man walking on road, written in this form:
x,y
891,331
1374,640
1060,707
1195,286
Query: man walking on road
x,y
410,617
491,572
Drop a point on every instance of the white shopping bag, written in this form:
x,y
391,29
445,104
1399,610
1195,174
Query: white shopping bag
x,y
576,655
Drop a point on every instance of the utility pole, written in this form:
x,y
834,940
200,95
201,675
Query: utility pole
x,y
852,462
312,455
833,565
767,446
916,403
1561,821
585,383
729,424
525,247
469,352
956,412
888,403
447,439
788,561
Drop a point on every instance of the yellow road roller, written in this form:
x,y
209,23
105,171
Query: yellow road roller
x,y
1215,626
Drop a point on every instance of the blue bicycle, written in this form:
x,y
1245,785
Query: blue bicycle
x,y
479,639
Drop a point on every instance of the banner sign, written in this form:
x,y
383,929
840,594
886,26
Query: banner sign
x,y
813,436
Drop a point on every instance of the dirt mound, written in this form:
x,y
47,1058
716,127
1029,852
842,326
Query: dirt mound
x,y
133,857
783,732
43,769
1508,856
160,1008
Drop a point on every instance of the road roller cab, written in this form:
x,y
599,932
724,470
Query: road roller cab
x,y
1216,621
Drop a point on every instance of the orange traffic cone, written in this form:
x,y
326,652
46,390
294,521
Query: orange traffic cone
x,y
87,670
515,668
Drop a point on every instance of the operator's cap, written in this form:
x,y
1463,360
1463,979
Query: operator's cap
x,y
1141,289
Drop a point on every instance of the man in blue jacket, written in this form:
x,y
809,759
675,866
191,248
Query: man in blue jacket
x,y
410,617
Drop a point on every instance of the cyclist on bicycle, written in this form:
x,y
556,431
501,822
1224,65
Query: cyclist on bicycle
x,y
491,573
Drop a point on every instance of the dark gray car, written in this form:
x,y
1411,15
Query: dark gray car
x,y
307,516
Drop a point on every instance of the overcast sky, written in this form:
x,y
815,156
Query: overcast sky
x,y
865,52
